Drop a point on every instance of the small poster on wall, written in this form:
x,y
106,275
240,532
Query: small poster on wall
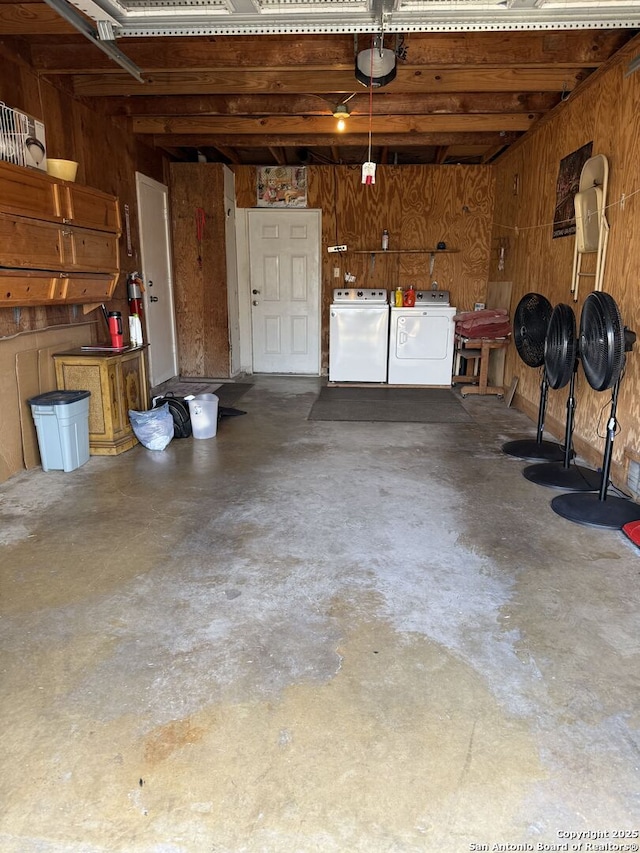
x,y
564,218
282,186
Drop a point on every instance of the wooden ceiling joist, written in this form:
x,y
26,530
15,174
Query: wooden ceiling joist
x,y
286,125
523,79
405,140
435,50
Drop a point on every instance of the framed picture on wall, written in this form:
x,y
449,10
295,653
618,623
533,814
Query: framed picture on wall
x,y
282,186
564,218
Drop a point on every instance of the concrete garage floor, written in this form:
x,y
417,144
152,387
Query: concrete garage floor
x,y
309,636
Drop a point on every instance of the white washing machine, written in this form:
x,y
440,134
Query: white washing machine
x,y
421,341
358,335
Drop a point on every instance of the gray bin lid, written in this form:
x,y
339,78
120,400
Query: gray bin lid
x,y
58,398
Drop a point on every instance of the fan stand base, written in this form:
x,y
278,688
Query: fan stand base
x,y
588,509
575,478
529,448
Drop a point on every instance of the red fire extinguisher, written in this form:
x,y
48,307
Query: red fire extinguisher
x,y
135,289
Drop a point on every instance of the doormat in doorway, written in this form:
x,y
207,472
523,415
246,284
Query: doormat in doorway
x,y
226,392
184,387
229,392
393,405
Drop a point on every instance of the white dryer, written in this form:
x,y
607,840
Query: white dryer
x,y
421,341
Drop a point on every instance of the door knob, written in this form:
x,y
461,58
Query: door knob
x,y
255,292
255,302
154,299
150,283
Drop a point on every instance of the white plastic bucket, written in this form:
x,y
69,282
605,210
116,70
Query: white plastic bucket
x,y
203,409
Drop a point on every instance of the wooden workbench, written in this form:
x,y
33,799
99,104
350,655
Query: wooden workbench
x,y
484,346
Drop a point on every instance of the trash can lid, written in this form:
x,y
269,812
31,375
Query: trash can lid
x,y
58,398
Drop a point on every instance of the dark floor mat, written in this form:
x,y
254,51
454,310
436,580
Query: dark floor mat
x,y
402,405
226,392
229,392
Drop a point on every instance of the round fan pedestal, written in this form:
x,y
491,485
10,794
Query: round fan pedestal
x,y
555,475
529,448
603,344
592,511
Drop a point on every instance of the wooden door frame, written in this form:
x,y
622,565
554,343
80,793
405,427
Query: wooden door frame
x,y
244,283
141,178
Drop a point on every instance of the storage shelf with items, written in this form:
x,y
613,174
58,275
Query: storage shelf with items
x,y
401,266
58,241
405,251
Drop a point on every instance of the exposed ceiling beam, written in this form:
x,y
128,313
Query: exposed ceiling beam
x,y
342,140
383,104
521,79
563,49
293,125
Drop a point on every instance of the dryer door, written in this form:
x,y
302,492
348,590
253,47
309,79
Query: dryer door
x,y
422,335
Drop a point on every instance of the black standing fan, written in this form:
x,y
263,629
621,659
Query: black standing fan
x,y
530,324
561,363
603,343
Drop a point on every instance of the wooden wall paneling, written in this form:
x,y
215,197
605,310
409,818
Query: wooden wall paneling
x,y
419,206
604,111
200,288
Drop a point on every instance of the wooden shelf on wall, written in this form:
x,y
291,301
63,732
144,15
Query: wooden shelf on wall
x,y
402,251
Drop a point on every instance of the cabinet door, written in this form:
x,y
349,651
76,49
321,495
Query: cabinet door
x,y
23,287
90,208
115,403
134,383
83,288
90,250
27,193
30,244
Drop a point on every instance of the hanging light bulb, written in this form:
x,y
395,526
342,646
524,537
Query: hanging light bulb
x,y
341,113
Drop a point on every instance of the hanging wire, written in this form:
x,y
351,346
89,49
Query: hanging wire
x,y
517,228
370,97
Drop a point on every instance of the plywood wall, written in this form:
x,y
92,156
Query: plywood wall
x,y
200,269
606,111
419,206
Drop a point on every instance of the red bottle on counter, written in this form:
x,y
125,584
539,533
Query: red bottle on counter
x,y
409,299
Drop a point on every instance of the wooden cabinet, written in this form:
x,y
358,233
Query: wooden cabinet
x,y
117,381
58,241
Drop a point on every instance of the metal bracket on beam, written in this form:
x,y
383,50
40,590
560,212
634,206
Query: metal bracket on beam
x,y
81,24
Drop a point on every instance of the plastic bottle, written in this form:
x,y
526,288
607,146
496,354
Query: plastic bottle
x,y
399,299
385,240
409,297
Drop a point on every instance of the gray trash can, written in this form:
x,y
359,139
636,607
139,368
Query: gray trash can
x,y
62,424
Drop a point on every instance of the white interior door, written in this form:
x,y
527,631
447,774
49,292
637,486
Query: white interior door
x,y
284,249
155,254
